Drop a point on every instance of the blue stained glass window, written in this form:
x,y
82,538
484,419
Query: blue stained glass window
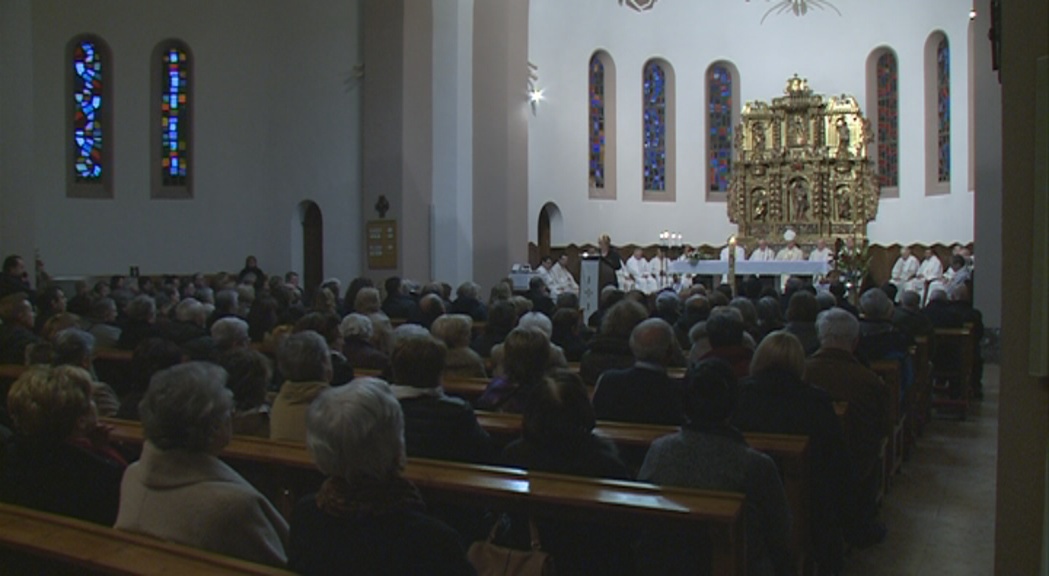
x,y
655,127
719,125
888,120
174,111
597,123
87,109
943,109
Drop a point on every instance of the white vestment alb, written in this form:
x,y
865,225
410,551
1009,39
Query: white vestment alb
x,y
563,280
637,268
765,254
741,255
903,272
930,272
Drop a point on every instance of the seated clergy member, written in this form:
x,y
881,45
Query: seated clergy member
x,y
637,267
59,461
930,272
179,490
643,393
709,454
762,253
563,279
791,251
305,362
366,518
904,270
435,425
837,370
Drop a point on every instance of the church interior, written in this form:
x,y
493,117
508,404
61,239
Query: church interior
x,y
450,140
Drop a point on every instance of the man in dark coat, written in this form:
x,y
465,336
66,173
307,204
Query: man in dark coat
x,y
398,305
643,393
16,332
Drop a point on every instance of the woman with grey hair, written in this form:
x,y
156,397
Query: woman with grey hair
x,y
455,330
366,518
179,490
358,333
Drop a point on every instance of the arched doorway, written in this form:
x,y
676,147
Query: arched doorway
x,y
312,245
550,228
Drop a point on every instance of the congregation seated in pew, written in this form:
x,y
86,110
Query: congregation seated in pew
x,y
710,454
179,490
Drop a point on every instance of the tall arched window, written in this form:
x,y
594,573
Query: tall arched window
x,y
883,96
601,128
90,172
172,132
658,131
722,114
937,114
943,110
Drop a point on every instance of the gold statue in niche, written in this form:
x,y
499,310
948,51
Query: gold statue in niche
x,y
801,162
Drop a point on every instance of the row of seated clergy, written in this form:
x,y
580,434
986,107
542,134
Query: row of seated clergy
x,y
923,275
556,275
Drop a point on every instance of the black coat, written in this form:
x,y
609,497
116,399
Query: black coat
x,y
444,428
400,307
397,542
472,307
777,402
641,395
604,354
60,479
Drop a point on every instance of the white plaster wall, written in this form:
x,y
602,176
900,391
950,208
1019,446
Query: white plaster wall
x,y
828,49
274,124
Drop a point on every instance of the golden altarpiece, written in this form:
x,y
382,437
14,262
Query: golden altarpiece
x,y
801,163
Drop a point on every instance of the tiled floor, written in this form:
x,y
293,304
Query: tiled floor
x,y
940,512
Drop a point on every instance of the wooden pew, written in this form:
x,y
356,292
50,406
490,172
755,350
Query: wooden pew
x,y
284,472
958,345
922,385
37,542
791,454
889,371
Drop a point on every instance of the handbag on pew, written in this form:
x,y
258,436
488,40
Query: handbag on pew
x,y
491,559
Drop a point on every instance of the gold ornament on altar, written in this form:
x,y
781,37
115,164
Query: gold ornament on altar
x,y
801,163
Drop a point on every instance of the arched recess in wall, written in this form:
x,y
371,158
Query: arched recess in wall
x,y
722,106
307,244
601,126
938,99
658,132
551,228
883,112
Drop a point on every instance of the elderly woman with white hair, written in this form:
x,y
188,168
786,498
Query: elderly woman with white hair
x,y
366,518
179,490
461,361
358,333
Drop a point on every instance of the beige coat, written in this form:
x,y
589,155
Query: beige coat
x,y
288,414
193,498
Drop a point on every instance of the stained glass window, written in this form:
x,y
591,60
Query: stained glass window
x,y
655,127
597,122
719,126
888,120
174,116
88,102
943,109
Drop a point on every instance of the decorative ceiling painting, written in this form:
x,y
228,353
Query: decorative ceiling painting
x,y
639,5
797,7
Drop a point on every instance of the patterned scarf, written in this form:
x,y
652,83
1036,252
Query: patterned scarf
x,y
341,498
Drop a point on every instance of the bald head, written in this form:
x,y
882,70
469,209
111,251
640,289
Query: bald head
x,y
651,341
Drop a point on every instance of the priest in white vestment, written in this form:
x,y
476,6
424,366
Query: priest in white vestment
x,y
904,270
543,271
659,269
821,254
789,252
929,273
762,253
637,269
562,278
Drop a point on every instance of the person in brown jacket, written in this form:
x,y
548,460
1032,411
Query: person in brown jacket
x,y
836,369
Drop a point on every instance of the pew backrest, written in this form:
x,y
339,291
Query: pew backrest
x,y
33,541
